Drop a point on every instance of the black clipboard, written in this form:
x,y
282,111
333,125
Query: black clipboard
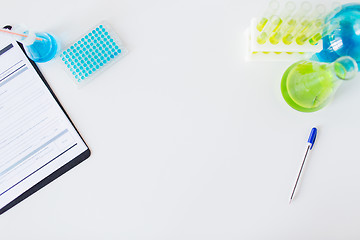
x,y
69,165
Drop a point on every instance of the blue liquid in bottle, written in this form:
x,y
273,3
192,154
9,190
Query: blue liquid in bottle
x,y
344,40
42,50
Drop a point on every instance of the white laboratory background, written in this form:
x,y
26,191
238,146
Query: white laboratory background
x,y
189,140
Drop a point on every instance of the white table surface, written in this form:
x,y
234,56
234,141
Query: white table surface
x,y
188,140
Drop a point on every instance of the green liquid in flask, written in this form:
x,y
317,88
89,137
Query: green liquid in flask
x,y
308,86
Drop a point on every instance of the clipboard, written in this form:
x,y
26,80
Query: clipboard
x,y
47,146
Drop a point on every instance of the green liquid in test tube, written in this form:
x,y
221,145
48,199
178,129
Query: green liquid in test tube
x,y
330,25
276,36
304,24
270,11
324,31
315,39
261,24
290,24
275,22
313,27
285,14
265,34
290,35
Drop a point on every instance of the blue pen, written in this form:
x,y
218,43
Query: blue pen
x,y
310,144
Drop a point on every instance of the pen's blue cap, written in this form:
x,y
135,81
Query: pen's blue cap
x,y
312,137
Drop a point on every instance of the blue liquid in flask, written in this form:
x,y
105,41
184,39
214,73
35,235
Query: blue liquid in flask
x,y
345,39
42,50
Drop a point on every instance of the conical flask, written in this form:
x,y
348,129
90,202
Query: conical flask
x,y
39,46
308,86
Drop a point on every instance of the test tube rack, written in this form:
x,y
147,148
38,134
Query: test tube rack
x,y
276,52
278,24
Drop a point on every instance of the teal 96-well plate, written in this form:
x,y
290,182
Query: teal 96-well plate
x,y
92,53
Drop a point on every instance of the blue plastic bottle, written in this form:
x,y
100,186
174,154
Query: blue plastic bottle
x,y
344,40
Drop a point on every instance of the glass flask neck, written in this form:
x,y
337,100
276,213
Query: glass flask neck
x,y
345,68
